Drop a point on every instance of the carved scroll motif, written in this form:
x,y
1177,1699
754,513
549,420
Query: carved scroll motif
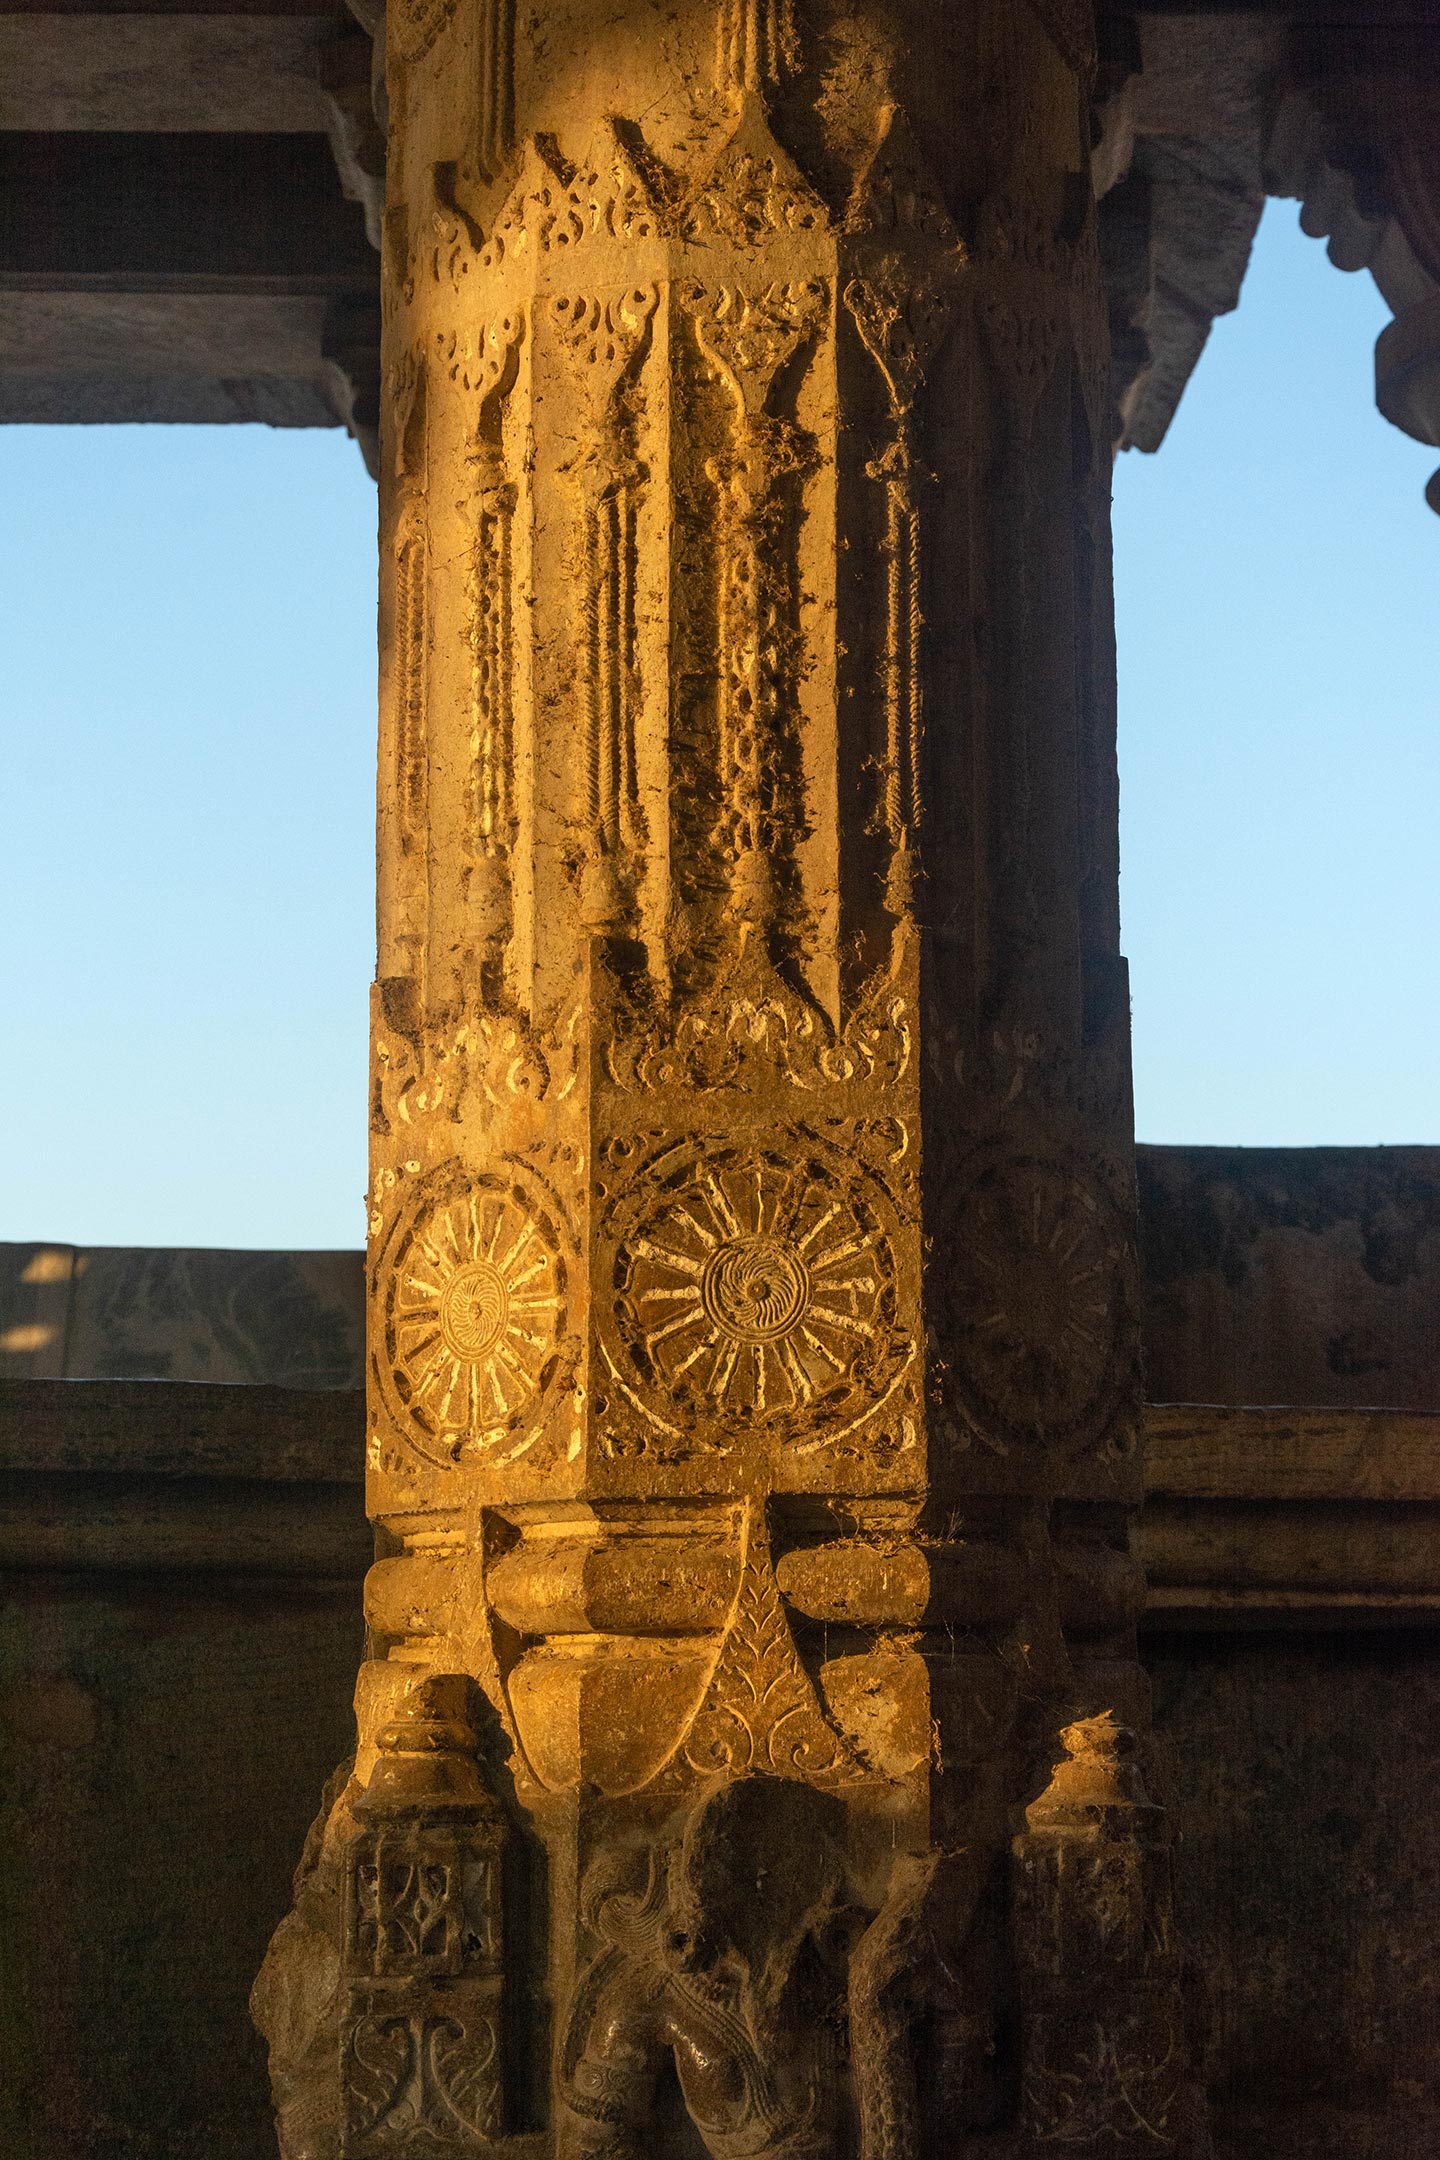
x,y
903,302
605,341
754,192
760,1716
748,339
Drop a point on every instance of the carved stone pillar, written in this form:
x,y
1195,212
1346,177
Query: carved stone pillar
x,y
754,1394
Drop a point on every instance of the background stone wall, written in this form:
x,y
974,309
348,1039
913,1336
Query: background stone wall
x,y
1302,1767
165,1743
1292,1275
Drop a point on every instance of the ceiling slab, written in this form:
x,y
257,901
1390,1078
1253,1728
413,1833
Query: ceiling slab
x,y
191,73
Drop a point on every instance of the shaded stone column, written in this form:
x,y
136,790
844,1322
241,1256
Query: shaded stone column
x,y
754,1393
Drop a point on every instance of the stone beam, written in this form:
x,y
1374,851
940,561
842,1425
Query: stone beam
x,y
250,74
1275,1517
189,277
1253,1518
1179,171
753,1294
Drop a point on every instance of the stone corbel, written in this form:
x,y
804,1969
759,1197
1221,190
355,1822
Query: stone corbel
x,y
352,82
1357,140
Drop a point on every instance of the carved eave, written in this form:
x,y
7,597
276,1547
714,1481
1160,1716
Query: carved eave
x,y
1356,141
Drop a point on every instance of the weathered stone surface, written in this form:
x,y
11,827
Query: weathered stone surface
x,y
1180,169
284,1319
1292,1275
161,1742
119,1655
217,73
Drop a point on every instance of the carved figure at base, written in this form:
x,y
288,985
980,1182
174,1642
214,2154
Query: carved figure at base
x,y
725,1965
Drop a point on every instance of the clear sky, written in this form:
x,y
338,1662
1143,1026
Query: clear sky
x,y
188,621
1278,619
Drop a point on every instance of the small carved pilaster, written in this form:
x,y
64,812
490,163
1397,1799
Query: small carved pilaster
x,y
759,43
603,341
1104,2047
421,2036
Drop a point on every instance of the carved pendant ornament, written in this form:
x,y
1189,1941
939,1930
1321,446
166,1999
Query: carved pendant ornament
x,y
746,1351
421,2069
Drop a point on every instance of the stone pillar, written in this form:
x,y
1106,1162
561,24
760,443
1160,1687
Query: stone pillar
x,y
754,1395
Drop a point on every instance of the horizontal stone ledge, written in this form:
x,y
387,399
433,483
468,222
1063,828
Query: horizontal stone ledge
x,y
162,335
127,1525
91,397
193,1428
1331,1547
1194,1609
1214,1452
201,357
1253,1518
182,1429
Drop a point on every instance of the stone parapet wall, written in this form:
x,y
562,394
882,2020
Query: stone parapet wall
x,y
1292,1275
1302,1276
116,1312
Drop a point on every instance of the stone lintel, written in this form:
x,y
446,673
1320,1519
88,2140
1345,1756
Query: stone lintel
x,y
248,73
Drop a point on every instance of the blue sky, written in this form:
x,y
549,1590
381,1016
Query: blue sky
x,y
1278,614
188,622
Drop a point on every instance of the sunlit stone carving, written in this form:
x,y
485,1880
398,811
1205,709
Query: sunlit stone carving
x,y
752,1321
